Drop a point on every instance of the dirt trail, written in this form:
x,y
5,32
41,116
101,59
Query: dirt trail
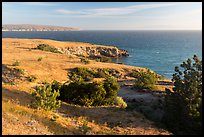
x,y
148,96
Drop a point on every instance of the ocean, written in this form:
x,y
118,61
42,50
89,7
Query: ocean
x,y
159,51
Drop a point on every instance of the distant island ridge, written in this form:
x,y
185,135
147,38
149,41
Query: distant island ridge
x,y
35,27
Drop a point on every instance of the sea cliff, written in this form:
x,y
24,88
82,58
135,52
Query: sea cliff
x,y
95,51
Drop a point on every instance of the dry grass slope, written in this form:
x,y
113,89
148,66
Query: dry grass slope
x,y
19,118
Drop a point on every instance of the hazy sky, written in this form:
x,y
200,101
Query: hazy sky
x,y
107,15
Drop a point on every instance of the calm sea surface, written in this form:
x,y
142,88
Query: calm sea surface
x,y
160,51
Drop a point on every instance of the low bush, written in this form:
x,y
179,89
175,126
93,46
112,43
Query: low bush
x,y
31,78
55,85
88,74
82,93
46,47
45,98
18,71
40,59
98,60
90,94
81,73
112,87
105,59
45,82
120,102
144,80
85,60
101,58
101,73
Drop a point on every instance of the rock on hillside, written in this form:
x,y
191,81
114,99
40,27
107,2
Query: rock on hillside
x,y
95,51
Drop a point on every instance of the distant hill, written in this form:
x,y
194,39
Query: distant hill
x,y
32,27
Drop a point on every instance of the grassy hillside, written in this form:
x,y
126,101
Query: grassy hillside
x,y
21,61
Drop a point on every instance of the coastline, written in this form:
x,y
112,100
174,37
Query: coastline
x,y
18,49
32,43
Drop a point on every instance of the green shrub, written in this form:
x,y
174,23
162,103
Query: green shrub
x,y
112,87
85,60
81,73
101,58
16,63
88,74
120,102
46,47
115,73
46,99
40,59
56,85
105,59
90,94
101,73
31,78
82,93
183,107
144,80
45,82
98,60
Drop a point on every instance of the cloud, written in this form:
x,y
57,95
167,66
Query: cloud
x,y
112,11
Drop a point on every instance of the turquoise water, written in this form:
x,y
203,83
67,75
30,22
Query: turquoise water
x,y
160,51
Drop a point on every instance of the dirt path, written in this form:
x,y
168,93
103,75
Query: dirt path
x,y
148,96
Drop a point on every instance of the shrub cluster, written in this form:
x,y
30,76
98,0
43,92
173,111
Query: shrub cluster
x,y
144,80
101,58
40,59
31,78
105,59
46,47
183,107
16,63
81,73
78,92
84,60
18,71
88,74
90,94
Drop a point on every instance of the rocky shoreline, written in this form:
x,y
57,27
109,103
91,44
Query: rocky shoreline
x,y
95,51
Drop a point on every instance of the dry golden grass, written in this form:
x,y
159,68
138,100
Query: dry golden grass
x,y
69,119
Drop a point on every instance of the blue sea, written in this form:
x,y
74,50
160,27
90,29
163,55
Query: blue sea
x,y
160,51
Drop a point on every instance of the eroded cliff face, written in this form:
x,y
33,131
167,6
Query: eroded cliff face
x,y
95,51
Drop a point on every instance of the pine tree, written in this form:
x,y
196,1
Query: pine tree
x,y
183,107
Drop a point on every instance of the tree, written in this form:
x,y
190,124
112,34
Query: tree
x,y
183,107
46,99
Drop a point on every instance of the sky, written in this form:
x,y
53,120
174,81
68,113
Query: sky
x,y
106,15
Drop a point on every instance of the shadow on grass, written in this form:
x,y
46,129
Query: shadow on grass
x,y
24,99
21,97
111,116
24,48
